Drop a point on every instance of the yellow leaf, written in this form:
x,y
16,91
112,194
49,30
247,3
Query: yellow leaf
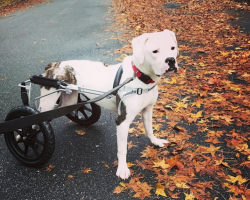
x,y
182,185
161,164
181,105
245,75
212,149
189,196
238,178
80,132
202,64
197,103
160,190
197,115
225,164
122,184
129,164
173,81
227,118
224,53
235,88
137,27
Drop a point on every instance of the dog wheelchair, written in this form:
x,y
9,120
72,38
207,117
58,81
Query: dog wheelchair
x,y
28,133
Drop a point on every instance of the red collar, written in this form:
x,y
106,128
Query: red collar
x,y
141,76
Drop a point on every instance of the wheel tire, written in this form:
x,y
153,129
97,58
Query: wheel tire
x,y
34,145
87,114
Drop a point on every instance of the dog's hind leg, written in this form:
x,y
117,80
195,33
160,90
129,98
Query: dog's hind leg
x,y
147,121
48,102
69,99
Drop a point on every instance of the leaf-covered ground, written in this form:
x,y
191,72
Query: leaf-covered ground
x,y
10,6
204,110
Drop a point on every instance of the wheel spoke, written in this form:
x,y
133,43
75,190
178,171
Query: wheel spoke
x,y
76,114
33,147
86,108
37,141
19,131
26,148
85,114
34,133
17,142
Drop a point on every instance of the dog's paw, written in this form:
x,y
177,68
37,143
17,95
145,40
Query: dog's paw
x,y
159,142
123,172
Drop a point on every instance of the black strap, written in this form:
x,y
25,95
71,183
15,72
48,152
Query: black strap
x,y
118,77
19,123
24,95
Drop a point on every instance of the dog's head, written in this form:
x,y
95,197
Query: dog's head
x,y
156,51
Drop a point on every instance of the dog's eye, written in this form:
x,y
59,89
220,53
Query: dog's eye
x,y
155,51
172,48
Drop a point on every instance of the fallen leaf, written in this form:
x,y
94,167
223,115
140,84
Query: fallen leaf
x,y
80,132
118,190
160,190
70,176
86,171
49,168
129,164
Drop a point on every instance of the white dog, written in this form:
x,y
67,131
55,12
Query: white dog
x,y
153,55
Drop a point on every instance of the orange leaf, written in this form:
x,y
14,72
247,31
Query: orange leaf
x,y
70,176
80,132
86,171
49,168
118,190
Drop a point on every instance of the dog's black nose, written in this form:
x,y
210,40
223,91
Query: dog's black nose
x,y
170,60
171,63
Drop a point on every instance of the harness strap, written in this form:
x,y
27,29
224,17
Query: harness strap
x,y
126,91
24,95
118,77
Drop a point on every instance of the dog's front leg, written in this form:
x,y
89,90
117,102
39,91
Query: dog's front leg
x,y
123,122
147,120
122,137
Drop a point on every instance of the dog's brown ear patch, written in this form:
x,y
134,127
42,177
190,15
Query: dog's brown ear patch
x,y
69,76
50,68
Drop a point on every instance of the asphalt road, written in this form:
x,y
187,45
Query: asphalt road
x,y
55,31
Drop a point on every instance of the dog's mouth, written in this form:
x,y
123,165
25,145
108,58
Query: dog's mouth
x,y
171,68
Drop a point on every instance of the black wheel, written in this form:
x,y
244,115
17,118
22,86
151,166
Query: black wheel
x,y
87,114
34,145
